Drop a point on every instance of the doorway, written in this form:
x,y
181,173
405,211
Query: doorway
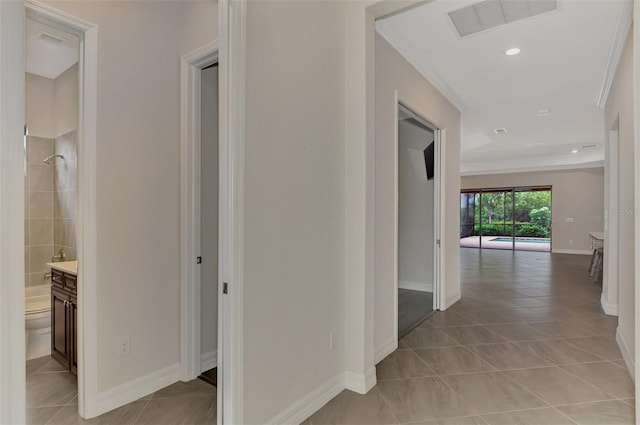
x,y
209,241
417,202
51,213
202,186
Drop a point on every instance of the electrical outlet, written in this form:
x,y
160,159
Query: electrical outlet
x,y
332,340
124,346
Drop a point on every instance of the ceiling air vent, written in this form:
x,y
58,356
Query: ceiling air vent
x,y
50,38
593,145
500,130
493,13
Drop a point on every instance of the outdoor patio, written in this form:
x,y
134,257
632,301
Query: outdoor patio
x,y
534,244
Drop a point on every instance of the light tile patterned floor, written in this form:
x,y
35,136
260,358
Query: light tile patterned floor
x,y
52,400
527,344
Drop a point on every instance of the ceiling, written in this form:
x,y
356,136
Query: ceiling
x,y
49,51
549,97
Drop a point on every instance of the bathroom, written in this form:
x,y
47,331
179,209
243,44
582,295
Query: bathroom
x,y
50,167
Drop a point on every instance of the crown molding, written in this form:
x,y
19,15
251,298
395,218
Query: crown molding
x,y
623,26
412,55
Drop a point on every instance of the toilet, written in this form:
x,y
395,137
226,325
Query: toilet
x,y
37,317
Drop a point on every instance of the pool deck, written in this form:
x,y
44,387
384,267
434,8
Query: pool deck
x,y
474,242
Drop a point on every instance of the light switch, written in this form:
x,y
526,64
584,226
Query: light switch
x,y
569,219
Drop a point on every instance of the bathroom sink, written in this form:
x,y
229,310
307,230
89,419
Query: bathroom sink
x,y
65,266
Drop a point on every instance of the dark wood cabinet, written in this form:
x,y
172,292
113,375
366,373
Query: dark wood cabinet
x,y
64,307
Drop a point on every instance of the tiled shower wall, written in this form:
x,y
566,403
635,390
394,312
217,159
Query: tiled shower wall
x,y
38,211
50,205
65,210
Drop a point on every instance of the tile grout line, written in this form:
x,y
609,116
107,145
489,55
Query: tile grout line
x,y
144,407
386,402
593,385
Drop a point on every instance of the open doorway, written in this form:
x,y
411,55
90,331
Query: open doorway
x,y
52,130
209,241
416,219
201,211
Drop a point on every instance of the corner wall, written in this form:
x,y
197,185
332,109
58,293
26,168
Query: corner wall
x,y
393,73
415,209
576,194
294,178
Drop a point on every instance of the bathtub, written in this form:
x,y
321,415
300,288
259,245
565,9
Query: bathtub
x,y
37,314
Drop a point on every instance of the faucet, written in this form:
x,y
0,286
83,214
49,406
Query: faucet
x,y
60,257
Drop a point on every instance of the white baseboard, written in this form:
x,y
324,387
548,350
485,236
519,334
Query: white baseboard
x,y
133,390
572,251
626,353
415,286
387,348
360,383
451,300
299,411
610,309
208,360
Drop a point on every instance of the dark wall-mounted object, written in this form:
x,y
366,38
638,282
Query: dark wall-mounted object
x,y
428,160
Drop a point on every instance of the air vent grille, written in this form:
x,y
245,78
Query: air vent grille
x,y
50,38
500,130
593,145
492,13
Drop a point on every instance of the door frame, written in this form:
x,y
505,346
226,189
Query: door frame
x,y
12,330
13,389
438,189
88,399
230,53
191,65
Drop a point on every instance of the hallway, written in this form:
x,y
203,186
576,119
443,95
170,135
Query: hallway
x,y
528,344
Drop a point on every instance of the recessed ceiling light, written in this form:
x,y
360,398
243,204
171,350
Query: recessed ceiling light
x,y
543,112
574,151
512,52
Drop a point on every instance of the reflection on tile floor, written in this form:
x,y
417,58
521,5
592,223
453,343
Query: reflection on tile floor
x,y
52,400
527,344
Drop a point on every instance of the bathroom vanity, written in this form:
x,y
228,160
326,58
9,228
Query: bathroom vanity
x,y
64,302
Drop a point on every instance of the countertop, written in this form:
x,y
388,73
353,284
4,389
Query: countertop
x,y
65,266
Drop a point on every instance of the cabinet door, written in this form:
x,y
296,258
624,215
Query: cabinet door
x,y
73,334
59,328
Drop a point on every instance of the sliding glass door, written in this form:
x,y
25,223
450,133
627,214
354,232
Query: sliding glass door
x,y
506,218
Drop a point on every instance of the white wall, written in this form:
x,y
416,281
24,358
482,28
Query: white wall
x,y
40,95
199,24
139,45
209,217
394,73
619,114
415,209
66,101
577,194
294,203
52,105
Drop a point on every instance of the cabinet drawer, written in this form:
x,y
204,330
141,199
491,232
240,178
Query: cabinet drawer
x,y
70,282
57,278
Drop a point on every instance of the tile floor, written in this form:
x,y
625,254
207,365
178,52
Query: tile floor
x,y
413,307
52,400
527,344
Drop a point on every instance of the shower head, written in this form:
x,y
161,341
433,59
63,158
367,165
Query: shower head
x,y
48,159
